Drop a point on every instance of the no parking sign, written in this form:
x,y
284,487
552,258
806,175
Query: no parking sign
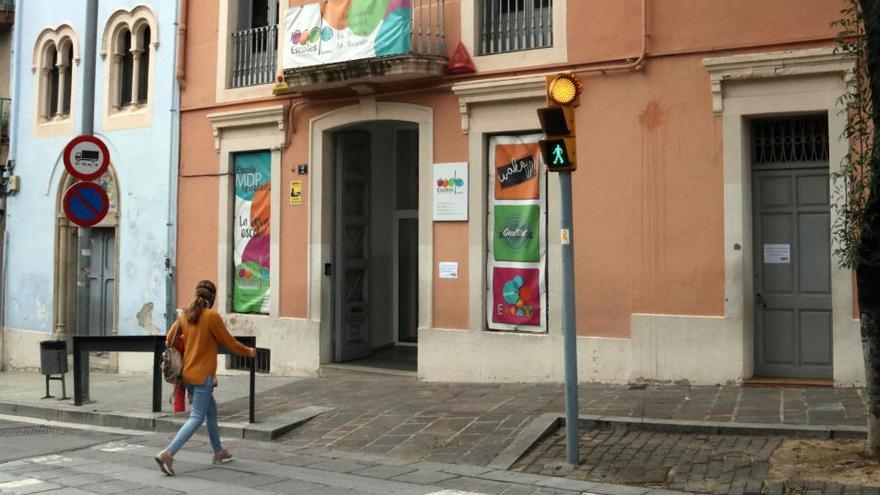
x,y
86,203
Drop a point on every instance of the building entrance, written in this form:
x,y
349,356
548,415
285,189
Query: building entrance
x,y
375,249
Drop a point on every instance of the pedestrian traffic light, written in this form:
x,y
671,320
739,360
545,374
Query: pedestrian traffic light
x,y
557,121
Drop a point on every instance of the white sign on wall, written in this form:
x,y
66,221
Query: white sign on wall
x,y
450,192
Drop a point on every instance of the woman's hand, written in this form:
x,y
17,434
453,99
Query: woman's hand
x,y
252,352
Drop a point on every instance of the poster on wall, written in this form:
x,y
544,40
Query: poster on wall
x,y
450,192
250,288
331,31
517,224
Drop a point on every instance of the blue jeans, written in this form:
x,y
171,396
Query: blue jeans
x,y
204,409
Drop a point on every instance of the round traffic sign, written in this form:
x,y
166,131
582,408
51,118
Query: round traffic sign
x,y
86,203
86,157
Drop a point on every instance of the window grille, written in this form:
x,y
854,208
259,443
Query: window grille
x,y
514,25
790,139
254,56
234,362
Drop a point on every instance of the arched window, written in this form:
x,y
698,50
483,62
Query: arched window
x,y
144,66
54,61
125,58
129,49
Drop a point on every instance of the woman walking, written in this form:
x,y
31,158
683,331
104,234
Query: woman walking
x,y
203,329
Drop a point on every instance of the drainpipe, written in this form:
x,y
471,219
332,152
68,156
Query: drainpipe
x,y
7,171
174,164
180,63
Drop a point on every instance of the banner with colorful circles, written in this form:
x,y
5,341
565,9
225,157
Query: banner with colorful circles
x,y
517,224
332,31
253,185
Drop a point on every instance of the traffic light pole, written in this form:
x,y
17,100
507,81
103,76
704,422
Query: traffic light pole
x,y
572,421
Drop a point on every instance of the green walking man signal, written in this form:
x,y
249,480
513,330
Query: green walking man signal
x,y
558,147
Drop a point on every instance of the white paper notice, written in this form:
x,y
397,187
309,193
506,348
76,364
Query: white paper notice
x,y
777,253
448,269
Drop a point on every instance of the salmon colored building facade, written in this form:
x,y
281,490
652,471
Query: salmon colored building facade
x,y
706,134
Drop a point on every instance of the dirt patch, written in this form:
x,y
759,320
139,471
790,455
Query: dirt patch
x,y
835,461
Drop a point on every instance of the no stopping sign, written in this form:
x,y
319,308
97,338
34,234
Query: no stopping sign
x,y
86,157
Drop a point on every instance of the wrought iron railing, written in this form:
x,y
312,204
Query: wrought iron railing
x,y
429,27
254,56
514,25
790,139
5,105
7,5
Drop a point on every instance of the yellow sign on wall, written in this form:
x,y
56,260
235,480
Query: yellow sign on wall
x,y
296,191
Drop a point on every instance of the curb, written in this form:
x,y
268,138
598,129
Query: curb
x,y
265,430
546,423
720,428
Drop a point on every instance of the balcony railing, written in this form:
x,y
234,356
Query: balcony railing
x,y
507,26
254,56
7,5
429,27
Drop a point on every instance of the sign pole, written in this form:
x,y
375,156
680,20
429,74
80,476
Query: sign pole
x,y
572,422
84,235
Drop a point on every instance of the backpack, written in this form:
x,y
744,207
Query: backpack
x,y
171,363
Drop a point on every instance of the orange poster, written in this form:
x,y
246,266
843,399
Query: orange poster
x,y
517,171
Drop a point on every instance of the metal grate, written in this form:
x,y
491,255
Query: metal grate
x,y
514,25
790,139
234,362
24,431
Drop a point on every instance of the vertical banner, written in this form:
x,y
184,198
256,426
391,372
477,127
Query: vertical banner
x,y
250,288
516,268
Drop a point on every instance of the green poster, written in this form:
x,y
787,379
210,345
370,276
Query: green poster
x,y
517,233
250,289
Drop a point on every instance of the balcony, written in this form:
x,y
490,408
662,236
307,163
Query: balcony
x,y
408,43
254,56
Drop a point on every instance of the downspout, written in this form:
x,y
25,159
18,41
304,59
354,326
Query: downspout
x,y
180,44
7,171
174,164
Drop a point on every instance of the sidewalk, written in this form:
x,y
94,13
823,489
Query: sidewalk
x,y
473,424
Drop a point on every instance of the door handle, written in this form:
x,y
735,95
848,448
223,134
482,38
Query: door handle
x,y
759,299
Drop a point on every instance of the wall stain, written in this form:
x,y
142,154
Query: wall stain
x,y
652,116
145,320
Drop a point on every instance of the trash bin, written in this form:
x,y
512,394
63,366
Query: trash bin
x,y
53,357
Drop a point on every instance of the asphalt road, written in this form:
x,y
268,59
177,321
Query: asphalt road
x,y
19,440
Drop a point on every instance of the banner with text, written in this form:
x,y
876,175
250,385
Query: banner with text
x,y
250,288
517,235
333,31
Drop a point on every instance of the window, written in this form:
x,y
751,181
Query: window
x,y
55,55
129,50
131,61
514,25
255,42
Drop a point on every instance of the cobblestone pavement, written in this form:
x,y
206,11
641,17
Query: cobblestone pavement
x,y
716,464
472,423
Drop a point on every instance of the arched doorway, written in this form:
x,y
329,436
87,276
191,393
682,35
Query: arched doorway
x,y
103,271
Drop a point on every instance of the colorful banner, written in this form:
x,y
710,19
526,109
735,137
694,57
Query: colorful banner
x,y
517,233
250,288
333,31
516,268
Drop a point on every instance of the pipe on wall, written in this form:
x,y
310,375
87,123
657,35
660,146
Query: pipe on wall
x,y
180,52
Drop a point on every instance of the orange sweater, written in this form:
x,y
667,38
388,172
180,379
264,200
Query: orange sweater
x,y
200,356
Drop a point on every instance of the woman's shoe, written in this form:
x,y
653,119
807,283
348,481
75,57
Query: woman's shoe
x,y
221,457
165,460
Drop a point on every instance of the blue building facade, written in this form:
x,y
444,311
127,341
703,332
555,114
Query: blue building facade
x,y
135,116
